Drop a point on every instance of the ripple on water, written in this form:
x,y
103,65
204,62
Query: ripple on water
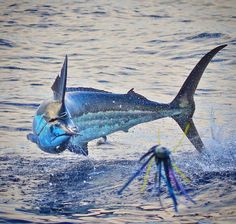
x,y
18,68
27,105
6,43
205,36
12,129
153,16
134,38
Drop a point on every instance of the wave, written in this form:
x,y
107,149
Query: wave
x,y
205,36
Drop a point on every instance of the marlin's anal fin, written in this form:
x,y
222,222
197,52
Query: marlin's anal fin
x,y
191,132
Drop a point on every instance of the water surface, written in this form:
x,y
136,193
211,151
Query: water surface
x,y
116,45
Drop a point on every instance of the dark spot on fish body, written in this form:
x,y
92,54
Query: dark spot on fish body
x,y
100,125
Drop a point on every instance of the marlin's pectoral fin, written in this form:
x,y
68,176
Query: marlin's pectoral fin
x,y
79,149
33,138
191,132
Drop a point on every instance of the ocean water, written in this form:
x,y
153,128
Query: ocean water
x,y
150,46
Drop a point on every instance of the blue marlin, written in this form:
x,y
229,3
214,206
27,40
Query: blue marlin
x,y
75,116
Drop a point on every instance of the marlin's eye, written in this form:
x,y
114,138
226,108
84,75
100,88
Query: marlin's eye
x,y
53,119
60,117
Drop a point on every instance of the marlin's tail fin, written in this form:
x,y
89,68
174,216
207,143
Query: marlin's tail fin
x,y
184,99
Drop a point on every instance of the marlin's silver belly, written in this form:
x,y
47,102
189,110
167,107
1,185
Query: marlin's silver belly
x,y
99,114
95,125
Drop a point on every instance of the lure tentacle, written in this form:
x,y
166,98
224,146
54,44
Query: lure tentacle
x,y
135,175
150,151
159,167
181,188
169,185
145,181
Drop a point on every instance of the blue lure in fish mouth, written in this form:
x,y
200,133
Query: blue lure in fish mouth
x,y
164,170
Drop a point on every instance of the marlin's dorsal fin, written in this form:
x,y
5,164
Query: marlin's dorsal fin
x,y
132,93
59,85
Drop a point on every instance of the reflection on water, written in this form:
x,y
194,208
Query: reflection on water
x,y
151,46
